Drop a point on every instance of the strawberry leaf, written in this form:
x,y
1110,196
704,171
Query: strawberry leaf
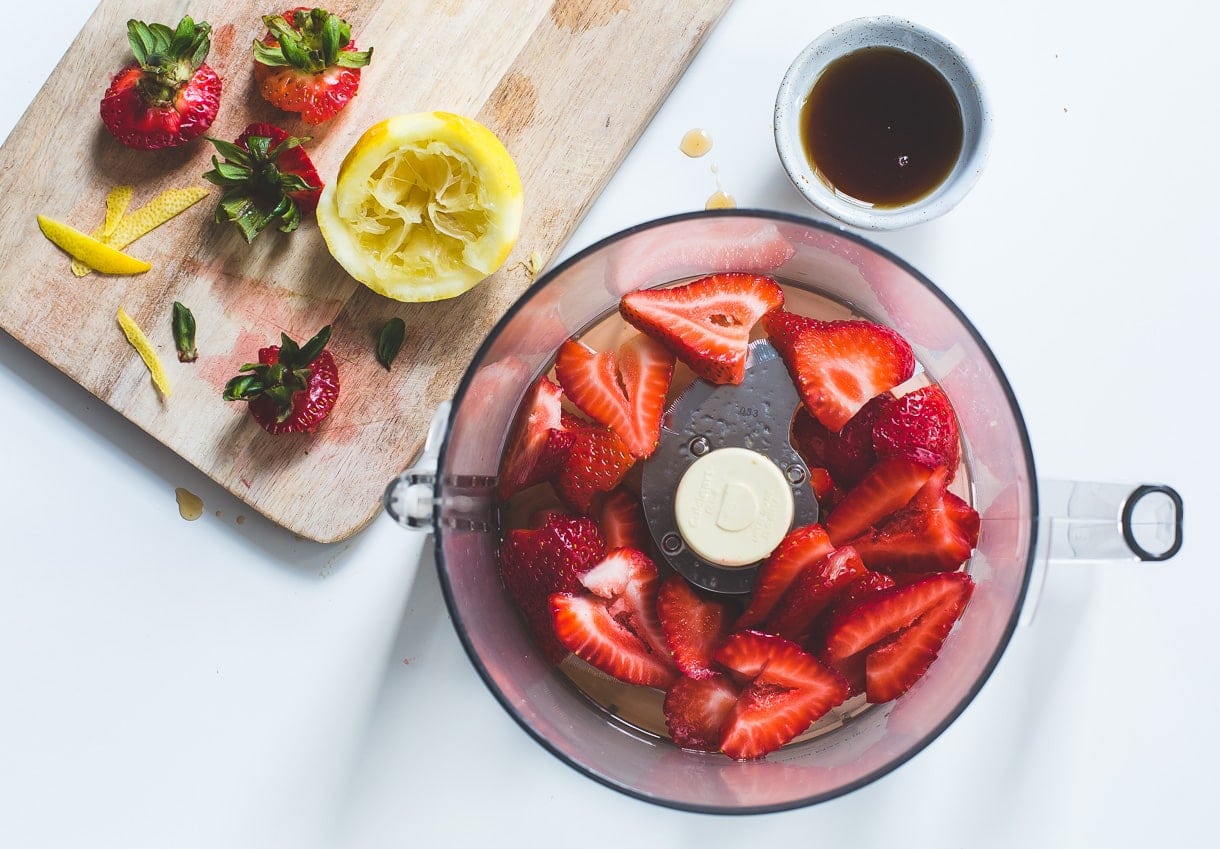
x,y
184,334
389,342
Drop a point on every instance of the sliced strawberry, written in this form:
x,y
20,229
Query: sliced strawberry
x,y
694,625
706,323
585,626
549,558
631,409
695,710
890,611
848,454
622,522
800,549
627,579
647,368
838,366
920,420
813,591
597,462
891,669
889,486
863,587
934,533
786,691
538,443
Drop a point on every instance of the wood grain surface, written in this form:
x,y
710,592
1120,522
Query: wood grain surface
x,y
567,85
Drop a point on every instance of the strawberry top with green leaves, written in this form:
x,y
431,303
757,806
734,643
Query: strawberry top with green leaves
x,y
706,323
292,388
308,63
170,95
266,176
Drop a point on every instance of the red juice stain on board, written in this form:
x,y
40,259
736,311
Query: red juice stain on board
x,y
882,126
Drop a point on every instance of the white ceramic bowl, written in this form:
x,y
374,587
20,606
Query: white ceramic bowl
x,y
941,54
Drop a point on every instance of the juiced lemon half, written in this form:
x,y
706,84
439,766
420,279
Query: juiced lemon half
x,y
425,206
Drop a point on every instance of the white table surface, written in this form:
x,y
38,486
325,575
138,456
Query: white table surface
x,y
218,683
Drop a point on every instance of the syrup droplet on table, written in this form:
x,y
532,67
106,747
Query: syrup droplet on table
x,y
721,199
190,505
695,143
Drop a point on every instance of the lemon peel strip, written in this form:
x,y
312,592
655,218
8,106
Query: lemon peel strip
x,y
127,228
117,202
145,349
96,254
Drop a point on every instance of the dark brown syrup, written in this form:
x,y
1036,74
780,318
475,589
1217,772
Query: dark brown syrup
x,y
882,126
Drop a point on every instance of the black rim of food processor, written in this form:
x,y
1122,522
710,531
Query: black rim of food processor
x,y
950,717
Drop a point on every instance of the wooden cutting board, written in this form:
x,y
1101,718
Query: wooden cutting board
x,y
567,85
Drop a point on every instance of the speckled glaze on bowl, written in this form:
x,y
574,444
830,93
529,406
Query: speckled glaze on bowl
x,y
882,31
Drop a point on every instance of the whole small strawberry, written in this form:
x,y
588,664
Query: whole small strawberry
x,y
169,96
292,388
308,63
266,176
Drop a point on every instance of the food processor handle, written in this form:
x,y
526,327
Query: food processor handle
x,y
410,499
1091,522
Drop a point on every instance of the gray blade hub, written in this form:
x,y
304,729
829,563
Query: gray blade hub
x,y
757,415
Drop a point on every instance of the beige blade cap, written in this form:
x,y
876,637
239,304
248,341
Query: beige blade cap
x,y
733,507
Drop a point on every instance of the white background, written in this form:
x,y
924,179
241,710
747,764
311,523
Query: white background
x,y
166,683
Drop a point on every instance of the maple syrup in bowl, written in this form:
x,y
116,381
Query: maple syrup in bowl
x,y
615,733
882,123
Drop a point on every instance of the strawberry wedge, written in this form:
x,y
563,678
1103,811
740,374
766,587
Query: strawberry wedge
x,y
693,624
587,628
538,443
597,462
838,366
919,423
799,550
707,323
889,486
786,690
627,579
631,409
813,591
622,522
900,629
696,710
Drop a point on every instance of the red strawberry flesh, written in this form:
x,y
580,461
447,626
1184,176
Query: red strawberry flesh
x,y
696,710
922,420
889,611
597,462
890,485
814,589
538,442
838,366
786,690
693,624
622,522
534,563
586,627
800,549
627,579
706,323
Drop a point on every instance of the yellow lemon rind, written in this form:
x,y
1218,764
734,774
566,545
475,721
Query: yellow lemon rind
x,y
145,349
97,255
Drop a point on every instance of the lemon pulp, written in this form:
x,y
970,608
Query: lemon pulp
x,y
425,207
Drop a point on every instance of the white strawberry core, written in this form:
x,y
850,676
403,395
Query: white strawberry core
x,y
733,507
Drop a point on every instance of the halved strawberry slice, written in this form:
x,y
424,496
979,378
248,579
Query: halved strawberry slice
x,y
597,462
627,579
622,522
812,592
892,668
800,549
890,485
889,611
934,533
838,366
536,562
694,625
539,440
696,709
922,420
633,408
706,323
584,624
786,691
848,454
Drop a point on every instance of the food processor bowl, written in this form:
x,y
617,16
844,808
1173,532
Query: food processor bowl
x,y
451,490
